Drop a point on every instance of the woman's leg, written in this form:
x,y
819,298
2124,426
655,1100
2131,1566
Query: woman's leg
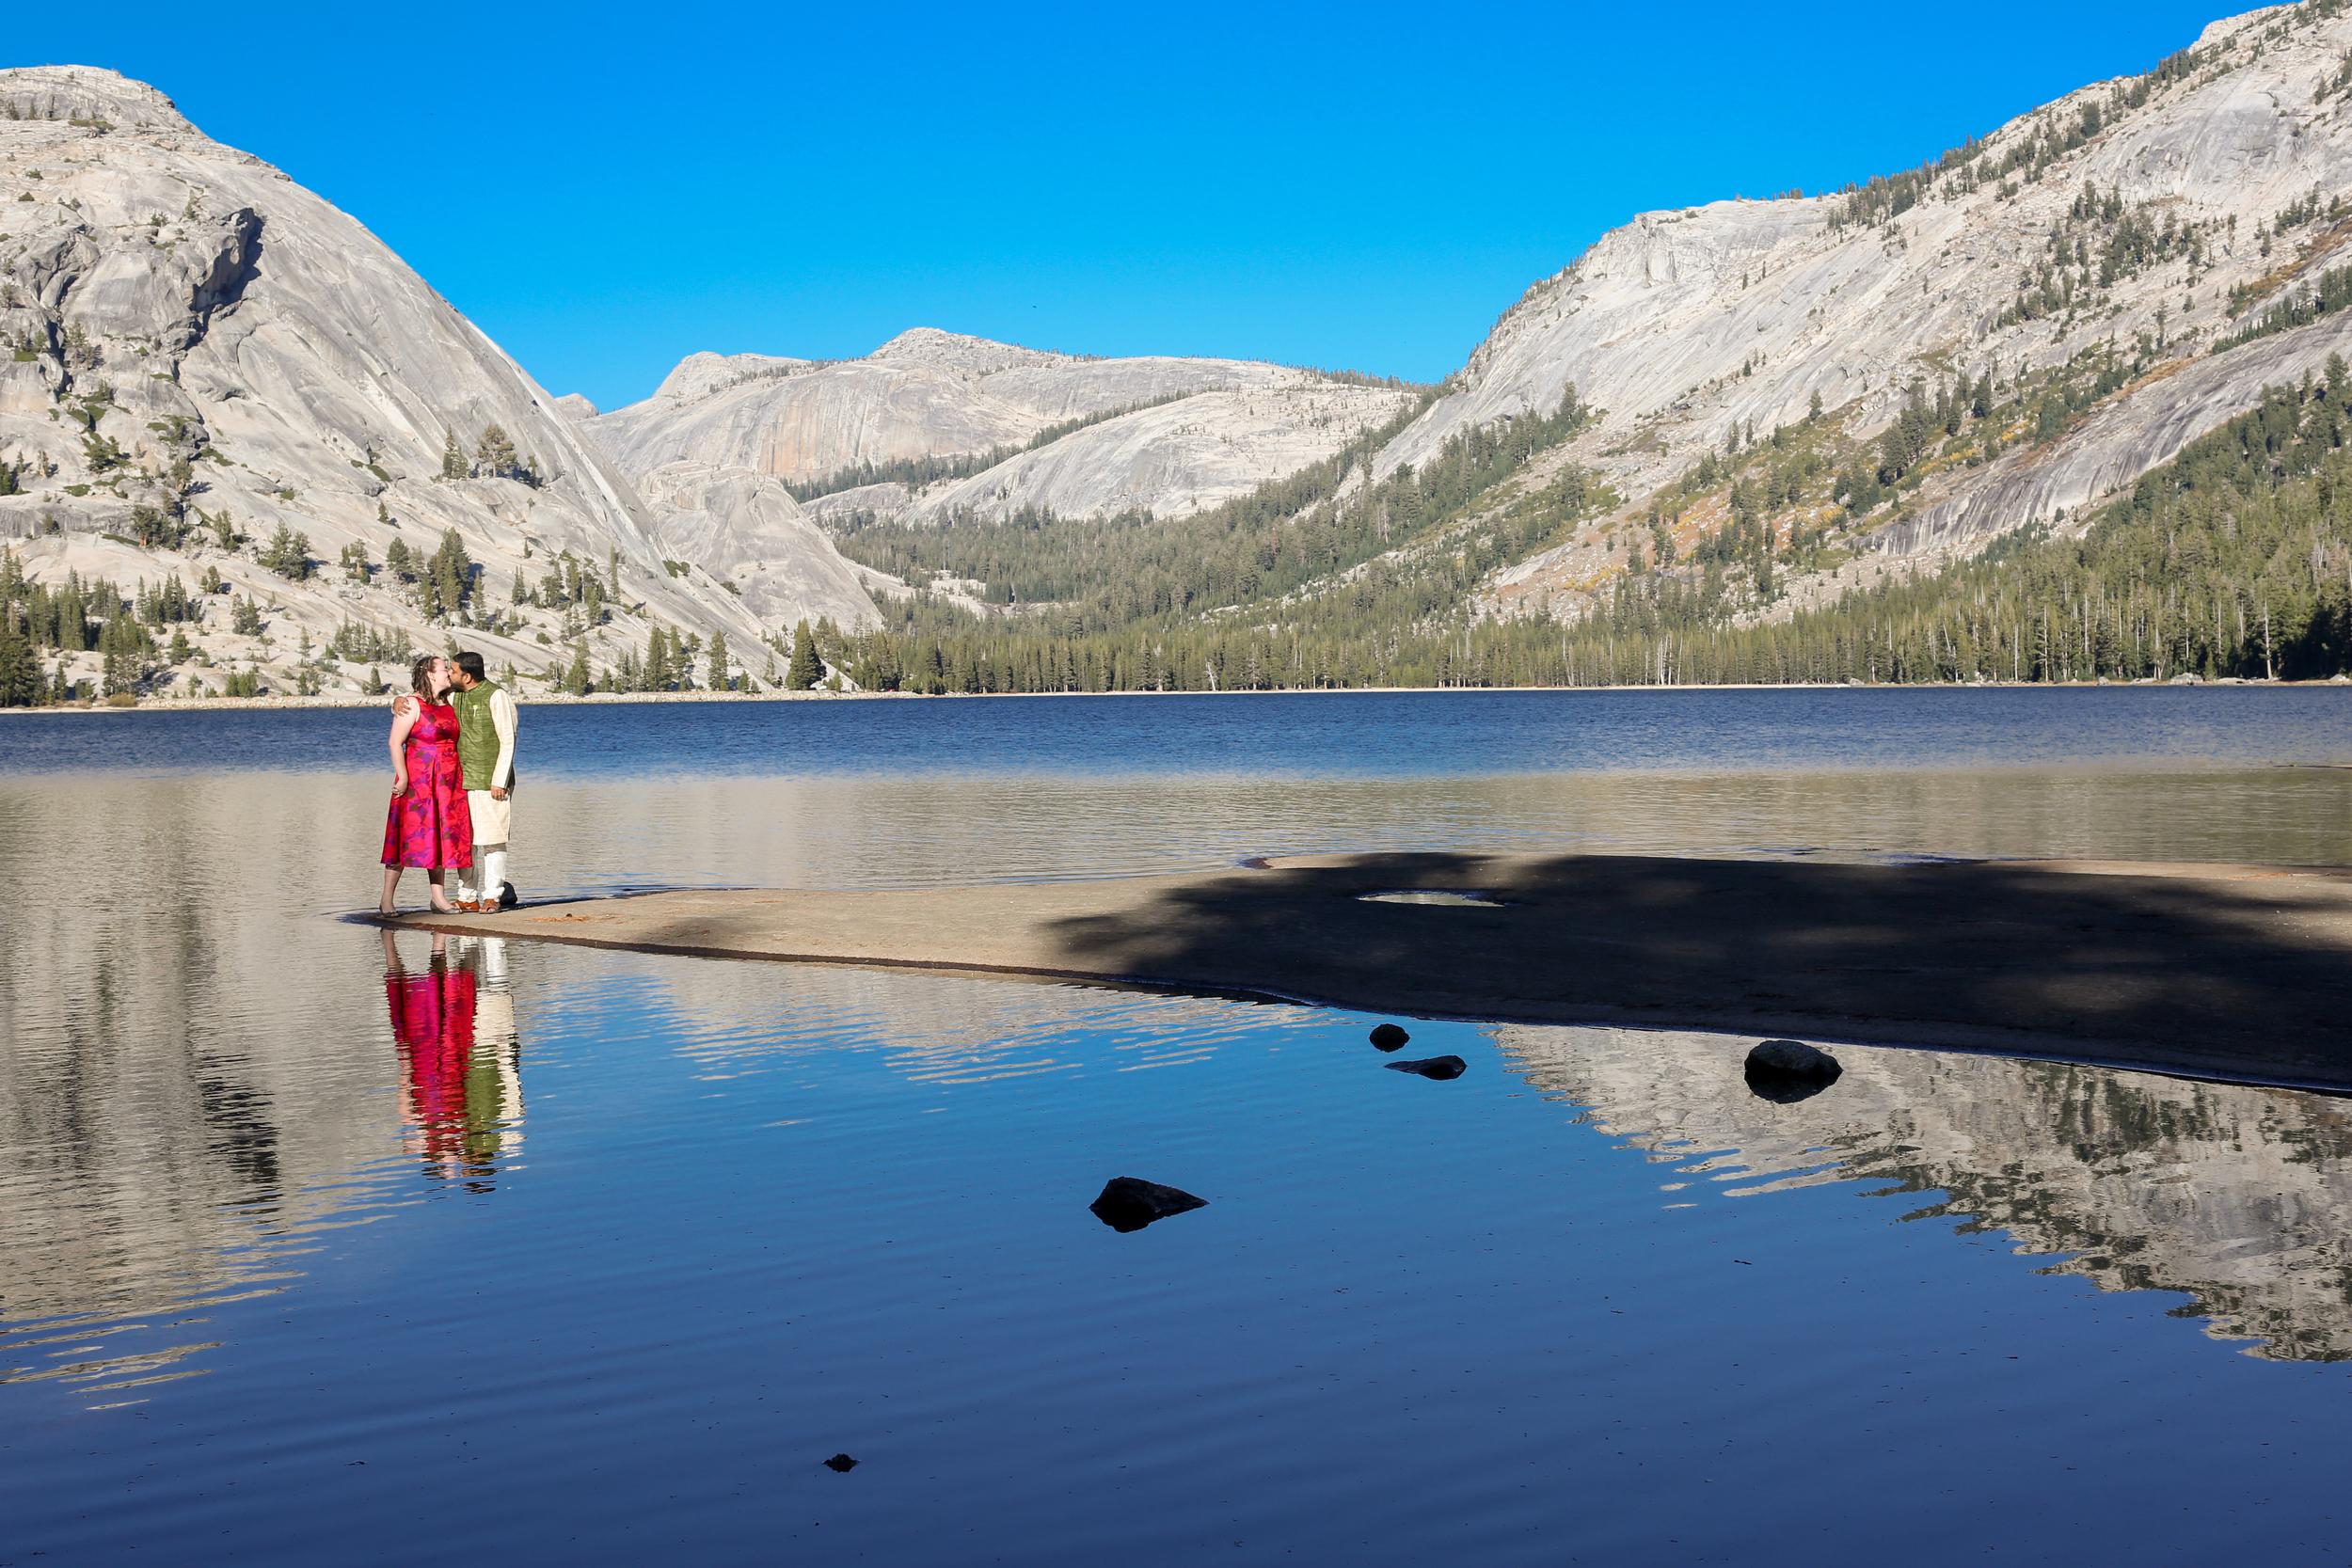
x,y
392,885
439,879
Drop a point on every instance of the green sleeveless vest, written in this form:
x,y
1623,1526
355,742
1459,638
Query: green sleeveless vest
x,y
476,734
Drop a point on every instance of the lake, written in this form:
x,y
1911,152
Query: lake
x,y
323,1245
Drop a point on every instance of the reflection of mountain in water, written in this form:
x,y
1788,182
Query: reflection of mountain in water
x,y
2241,1198
195,1071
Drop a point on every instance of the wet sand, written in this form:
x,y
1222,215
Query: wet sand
x,y
2241,972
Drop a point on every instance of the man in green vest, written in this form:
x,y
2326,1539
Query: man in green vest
x,y
485,752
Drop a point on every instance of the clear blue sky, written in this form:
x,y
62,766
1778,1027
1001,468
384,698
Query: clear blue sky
x,y
605,189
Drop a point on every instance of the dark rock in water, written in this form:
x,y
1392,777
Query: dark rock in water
x,y
1785,1071
1783,1090
1128,1203
1793,1059
1388,1037
1432,1067
842,1462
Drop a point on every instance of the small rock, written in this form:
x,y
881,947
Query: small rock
x,y
1785,1071
842,1462
1388,1037
1129,1203
1793,1059
1432,1067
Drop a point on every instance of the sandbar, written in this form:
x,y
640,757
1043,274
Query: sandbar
x,y
2239,973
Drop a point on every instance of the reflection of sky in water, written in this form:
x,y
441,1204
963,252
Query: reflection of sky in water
x,y
550,1250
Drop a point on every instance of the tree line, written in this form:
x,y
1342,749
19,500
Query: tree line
x,y
2233,560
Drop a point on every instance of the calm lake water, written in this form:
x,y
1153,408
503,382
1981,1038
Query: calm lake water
x,y
321,1248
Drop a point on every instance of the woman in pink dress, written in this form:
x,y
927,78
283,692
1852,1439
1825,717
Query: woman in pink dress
x,y
429,824
432,1029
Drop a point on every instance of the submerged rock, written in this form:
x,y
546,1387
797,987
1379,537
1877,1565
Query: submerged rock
x,y
842,1462
1129,1203
1432,1067
1785,1071
1388,1037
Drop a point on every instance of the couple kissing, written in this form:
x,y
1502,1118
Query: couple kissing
x,y
452,747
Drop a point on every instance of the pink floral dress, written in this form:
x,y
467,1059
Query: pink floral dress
x,y
430,825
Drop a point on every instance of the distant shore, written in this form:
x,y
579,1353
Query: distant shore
x,y
251,704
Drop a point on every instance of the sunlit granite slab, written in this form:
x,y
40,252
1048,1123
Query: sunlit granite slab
x,y
2233,972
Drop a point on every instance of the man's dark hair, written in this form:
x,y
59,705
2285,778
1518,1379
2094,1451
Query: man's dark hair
x,y
470,662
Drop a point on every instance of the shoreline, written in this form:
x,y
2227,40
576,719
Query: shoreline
x,y
2237,973
267,704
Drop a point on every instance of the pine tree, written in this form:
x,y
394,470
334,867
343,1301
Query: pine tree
x,y
719,678
804,671
494,454
575,679
451,573
20,676
453,455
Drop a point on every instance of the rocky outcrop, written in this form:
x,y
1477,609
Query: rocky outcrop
x,y
2234,1195
927,393
2143,429
746,529
1174,459
196,344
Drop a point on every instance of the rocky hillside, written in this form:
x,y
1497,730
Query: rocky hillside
x,y
2095,249
1079,435
211,377
1713,447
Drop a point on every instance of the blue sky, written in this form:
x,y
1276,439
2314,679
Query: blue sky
x,y
605,189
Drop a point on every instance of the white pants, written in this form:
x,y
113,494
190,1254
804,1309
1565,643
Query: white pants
x,y
482,879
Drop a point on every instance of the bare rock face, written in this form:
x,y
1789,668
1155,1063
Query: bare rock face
x,y
197,345
574,407
746,529
1174,459
1683,326
2144,429
927,393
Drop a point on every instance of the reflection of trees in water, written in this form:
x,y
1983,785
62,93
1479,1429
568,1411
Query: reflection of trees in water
x,y
2240,1197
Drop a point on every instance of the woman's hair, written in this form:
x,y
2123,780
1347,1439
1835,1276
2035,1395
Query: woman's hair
x,y
420,676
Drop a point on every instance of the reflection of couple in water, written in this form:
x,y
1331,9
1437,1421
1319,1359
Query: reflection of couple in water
x,y
452,777
461,1082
